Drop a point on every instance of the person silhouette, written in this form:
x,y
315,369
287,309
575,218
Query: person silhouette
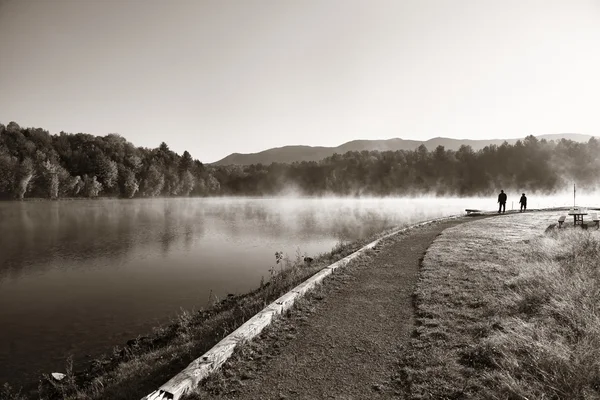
x,y
523,202
502,202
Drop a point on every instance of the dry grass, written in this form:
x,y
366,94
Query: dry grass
x,y
505,311
145,363
8,393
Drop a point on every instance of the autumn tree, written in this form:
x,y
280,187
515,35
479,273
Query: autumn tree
x,y
91,186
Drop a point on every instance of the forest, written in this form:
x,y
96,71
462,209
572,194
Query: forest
x,y
37,164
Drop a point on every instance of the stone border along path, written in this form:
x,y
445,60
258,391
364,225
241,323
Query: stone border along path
x,y
202,367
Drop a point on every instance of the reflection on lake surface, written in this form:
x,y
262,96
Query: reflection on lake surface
x,y
79,277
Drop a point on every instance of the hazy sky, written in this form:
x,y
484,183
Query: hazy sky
x,y
216,77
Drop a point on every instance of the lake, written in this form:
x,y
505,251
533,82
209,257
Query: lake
x,y
79,277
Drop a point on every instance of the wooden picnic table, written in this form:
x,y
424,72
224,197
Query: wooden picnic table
x,y
577,217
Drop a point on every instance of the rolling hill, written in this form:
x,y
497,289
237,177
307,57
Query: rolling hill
x,y
289,154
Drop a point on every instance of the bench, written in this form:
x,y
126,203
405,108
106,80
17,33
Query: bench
x,y
596,220
561,220
471,211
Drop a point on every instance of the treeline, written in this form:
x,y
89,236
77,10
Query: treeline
x,y
34,163
530,165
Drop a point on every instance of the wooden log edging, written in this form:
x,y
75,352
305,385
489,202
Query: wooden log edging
x,y
212,360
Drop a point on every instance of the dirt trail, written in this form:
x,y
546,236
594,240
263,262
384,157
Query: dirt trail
x,y
342,342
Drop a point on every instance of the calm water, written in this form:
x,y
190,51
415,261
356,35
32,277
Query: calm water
x,y
79,277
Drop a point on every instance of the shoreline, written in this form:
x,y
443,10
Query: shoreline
x,y
216,322
339,340
324,196
233,310
206,365
504,307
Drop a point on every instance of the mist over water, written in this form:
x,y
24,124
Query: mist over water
x,y
79,277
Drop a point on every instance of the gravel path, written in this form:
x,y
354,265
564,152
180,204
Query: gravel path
x,y
341,342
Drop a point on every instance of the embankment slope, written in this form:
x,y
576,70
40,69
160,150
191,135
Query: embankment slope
x,y
342,341
499,307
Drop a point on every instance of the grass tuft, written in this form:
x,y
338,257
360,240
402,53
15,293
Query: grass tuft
x,y
7,392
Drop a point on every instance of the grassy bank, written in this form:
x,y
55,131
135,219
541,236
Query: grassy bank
x,y
507,309
142,364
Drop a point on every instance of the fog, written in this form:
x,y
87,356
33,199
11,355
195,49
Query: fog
x,y
78,277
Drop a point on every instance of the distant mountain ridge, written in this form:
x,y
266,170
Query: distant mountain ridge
x,y
290,154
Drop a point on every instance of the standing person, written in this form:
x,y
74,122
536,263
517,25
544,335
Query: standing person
x,y
502,202
523,202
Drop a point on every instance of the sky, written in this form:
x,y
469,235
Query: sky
x,y
218,77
